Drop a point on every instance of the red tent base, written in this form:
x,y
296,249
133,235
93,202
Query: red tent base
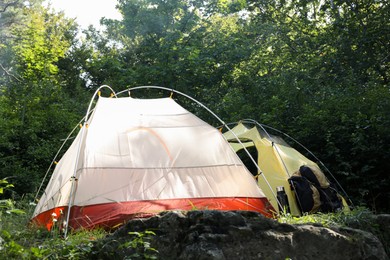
x,y
112,215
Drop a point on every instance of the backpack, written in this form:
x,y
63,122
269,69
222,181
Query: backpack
x,y
313,189
307,195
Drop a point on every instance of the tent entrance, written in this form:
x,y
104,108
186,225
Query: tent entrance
x,y
245,158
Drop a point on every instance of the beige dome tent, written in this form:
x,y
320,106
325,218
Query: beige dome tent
x,y
137,157
276,160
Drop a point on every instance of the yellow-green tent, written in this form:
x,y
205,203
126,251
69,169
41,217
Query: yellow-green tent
x,y
276,161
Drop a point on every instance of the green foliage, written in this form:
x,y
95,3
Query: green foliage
x,y
35,112
4,185
343,218
76,246
7,206
18,240
39,244
140,245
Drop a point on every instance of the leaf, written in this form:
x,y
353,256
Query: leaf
x,y
16,211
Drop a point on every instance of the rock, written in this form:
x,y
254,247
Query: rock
x,y
383,225
221,235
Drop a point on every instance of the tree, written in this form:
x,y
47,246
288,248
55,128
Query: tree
x,y
33,112
187,45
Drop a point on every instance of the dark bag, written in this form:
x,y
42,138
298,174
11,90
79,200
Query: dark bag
x,y
306,194
330,200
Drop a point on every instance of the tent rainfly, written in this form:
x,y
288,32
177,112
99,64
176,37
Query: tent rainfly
x,y
137,157
276,162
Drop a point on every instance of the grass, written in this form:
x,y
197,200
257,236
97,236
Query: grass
x,y
20,240
35,243
359,215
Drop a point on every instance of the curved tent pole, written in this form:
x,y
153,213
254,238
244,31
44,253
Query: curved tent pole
x,y
212,113
314,156
178,92
55,157
89,111
93,97
263,126
273,146
74,178
276,148
255,163
58,152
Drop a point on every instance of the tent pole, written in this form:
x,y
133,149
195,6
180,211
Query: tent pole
x,y
212,113
74,178
69,135
55,157
251,121
315,157
256,165
274,146
93,97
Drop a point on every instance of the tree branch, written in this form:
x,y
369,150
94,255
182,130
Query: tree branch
x,y
5,7
9,74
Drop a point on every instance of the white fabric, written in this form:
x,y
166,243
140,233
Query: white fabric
x,y
134,149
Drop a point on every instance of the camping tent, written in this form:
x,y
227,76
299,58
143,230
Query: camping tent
x,y
137,157
276,160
